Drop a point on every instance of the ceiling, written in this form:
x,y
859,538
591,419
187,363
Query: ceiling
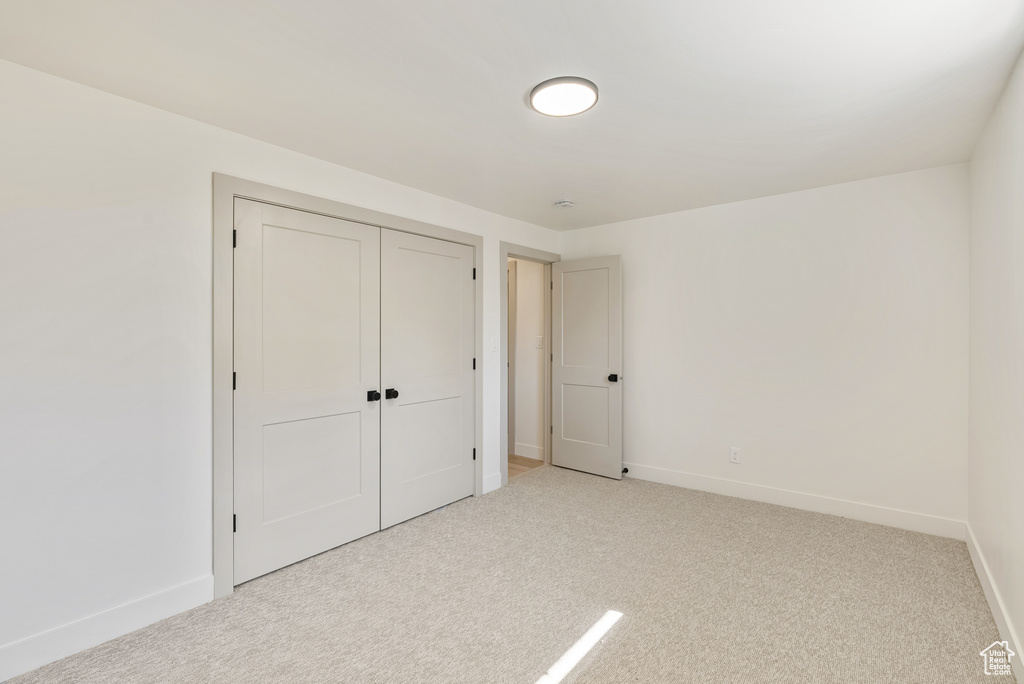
x,y
702,101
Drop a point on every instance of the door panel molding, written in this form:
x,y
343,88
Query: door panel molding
x,y
225,190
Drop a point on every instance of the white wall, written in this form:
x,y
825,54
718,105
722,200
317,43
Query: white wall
x,y
529,417
105,351
823,332
996,448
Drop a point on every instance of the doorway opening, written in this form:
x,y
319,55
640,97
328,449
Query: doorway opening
x,y
526,359
527,363
582,352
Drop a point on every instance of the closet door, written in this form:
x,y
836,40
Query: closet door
x,y
427,346
307,321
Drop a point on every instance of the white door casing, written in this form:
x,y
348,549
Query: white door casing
x,y
306,351
427,356
510,365
587,360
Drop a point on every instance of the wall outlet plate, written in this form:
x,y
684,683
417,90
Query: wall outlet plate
x,y
734,455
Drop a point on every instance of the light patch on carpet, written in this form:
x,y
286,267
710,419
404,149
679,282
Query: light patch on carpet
x,y
574,655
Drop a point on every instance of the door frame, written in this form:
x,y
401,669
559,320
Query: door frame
x,y
510,339
225,190
506,250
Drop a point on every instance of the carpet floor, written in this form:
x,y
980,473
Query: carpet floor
x,y
496,589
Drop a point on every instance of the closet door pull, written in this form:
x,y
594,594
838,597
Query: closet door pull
x,y
391,393
373,395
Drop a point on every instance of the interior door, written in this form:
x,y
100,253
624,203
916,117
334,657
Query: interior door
x,y
427,346
586,365
307,335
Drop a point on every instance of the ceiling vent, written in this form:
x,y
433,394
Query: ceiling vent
x,y
565,204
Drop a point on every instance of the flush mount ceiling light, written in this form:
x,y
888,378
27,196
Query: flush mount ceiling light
x,y
563,96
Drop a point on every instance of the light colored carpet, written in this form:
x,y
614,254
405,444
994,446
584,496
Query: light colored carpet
x,y
495,589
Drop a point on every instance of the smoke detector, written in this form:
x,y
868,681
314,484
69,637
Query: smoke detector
x,y
565,204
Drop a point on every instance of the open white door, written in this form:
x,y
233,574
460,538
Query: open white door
x,y
586,366
307,331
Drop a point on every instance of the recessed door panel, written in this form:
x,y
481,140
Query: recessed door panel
x,y
585,329
307,464
311,293
580,403
437,423
427,323
586,410
307,340
425,338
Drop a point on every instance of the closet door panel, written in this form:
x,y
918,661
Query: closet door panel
x,y
427,346
307,344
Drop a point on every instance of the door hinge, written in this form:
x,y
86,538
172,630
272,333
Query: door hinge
x,y
552,284
552,429
234,380
234,522
234,239
474,454
474,363
474,274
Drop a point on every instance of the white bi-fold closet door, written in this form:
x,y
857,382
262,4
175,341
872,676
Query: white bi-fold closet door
x,y
354,381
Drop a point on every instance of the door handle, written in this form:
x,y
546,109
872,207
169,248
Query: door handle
x,y
391,393
614,377
373,395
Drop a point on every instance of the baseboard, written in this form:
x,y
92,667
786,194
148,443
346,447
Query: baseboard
x,y
35,651
906,520
996,605
527,451
492,482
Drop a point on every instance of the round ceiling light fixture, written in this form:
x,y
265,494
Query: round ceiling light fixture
x,y
563,96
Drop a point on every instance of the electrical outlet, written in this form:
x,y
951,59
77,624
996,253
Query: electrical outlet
x,y
734,455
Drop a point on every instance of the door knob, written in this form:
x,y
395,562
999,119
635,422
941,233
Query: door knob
x,y
373,395
613,377
391,393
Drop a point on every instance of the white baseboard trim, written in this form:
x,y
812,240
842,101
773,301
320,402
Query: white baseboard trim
x,y
996,605
35,651
527,451
906,520
492,482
